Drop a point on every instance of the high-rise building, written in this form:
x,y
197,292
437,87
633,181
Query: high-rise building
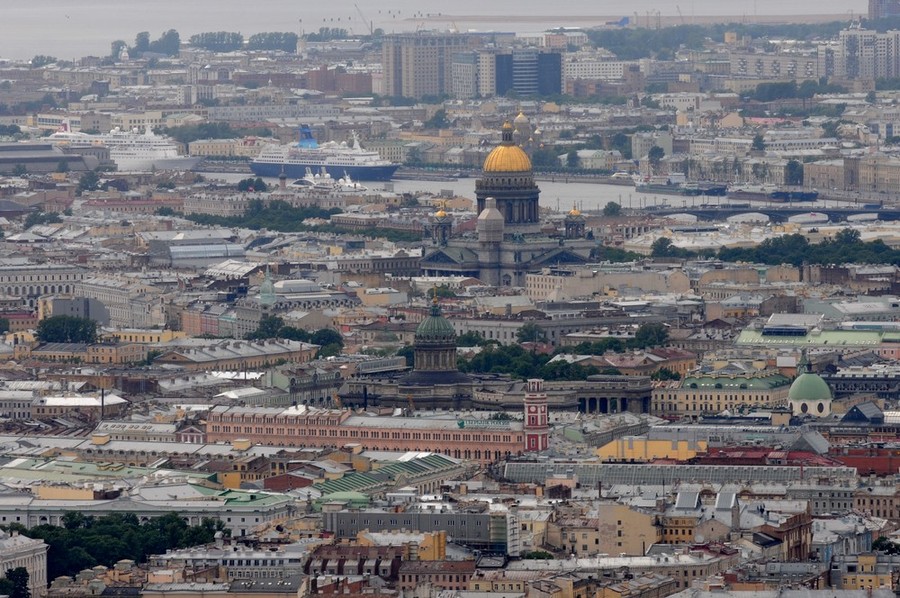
x,y
867,54
880,9
421,64
465,75
529,72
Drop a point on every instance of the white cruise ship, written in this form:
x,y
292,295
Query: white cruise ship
x,y
132,151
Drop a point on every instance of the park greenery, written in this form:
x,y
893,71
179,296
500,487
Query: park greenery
x,y
330,341
84,541
39,218
273,40
274,215
520,362
251,184
647,41
280,216
67,329
845,247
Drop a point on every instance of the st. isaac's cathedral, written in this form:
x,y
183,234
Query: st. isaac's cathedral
x,y
510,240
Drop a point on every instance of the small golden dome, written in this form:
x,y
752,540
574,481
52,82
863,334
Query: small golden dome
x,y
507,158
441,213
506,126
574,212
521,118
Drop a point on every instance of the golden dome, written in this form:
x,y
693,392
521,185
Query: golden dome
x,y
507,158
521,118
574,212
441,213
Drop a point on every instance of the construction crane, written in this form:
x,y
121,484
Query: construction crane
x,y
680,16
365,21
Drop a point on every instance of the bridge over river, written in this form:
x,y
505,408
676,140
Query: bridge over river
x,y
777,213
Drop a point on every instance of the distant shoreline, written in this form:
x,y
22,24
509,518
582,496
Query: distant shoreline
x,y
641,19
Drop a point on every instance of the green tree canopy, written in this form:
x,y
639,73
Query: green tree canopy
x,y
18,578
67,329
89,541
531,333
612,209
217,41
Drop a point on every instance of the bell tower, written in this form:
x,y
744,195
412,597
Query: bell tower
x,y
537,426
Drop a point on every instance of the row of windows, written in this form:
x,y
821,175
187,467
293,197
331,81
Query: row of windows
x,y
352,433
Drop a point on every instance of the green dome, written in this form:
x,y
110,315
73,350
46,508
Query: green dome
x,y
435,328
809,387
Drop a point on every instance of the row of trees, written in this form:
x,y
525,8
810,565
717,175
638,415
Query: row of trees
x,y
519,362
229,41
330,341
846,247
84,541
67,329
275,215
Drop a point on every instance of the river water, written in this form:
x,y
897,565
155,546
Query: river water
x,y
555,195
71,29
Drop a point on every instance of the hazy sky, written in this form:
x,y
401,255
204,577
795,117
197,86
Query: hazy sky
x,y
74,28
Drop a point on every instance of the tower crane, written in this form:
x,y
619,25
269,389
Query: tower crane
x,y
680,16
365,21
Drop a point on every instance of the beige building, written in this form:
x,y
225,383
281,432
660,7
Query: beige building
x,y
575,535
628,530
420,64
717,391
20,551
564,285
637,449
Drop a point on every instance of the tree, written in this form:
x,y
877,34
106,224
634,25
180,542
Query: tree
x,y
531,333
665,374
612,209
115,48
438,121
650,335
4,325
141,44
252,184
442,292
661,247
67,329
19,579
469,339
409,352
169,43
758,144
269,327
886,545
20,170
41,60
572,159
655,156
62,166
793,173
89,181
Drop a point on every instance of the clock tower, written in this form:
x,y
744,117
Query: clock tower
x,y
537,427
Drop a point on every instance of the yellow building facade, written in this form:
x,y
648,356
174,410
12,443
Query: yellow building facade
x,y
633,449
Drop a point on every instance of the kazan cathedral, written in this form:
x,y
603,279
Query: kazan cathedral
x,y
510,240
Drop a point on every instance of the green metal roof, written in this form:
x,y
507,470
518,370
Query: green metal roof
x,y
737,382
809,387
840,338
